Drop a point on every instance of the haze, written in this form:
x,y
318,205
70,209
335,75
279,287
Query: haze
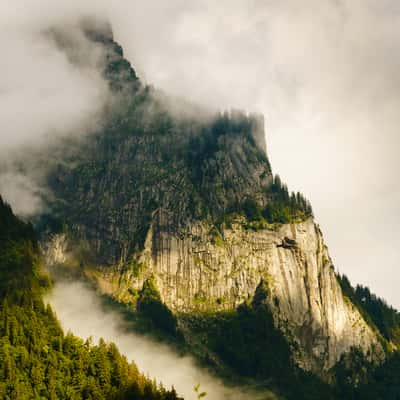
x,y
81,311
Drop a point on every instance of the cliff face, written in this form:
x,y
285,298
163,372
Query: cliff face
x,y
203,270
200,269
109,191
147,197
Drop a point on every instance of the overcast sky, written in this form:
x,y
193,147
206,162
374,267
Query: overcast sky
x,y
324,73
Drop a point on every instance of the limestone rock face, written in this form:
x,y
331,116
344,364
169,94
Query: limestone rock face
x,y
201,269
56,250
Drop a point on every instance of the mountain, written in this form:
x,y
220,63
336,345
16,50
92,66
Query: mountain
x,y
173,210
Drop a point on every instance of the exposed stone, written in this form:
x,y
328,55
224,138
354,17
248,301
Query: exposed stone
x,y
292,261
56,250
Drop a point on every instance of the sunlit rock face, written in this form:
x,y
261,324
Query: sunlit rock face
x,y
201,270
198,270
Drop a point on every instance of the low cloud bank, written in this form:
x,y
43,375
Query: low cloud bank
x,y
80,310
50,90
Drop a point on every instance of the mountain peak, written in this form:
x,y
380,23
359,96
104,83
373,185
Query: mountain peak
x,y
97,28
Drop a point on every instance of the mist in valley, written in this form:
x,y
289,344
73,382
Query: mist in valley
x,y
81,311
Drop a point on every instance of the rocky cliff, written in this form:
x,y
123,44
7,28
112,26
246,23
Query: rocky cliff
x,y
192,204
206,270
201,270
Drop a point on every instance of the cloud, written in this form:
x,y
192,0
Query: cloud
x,y
46,92
81,311
21,192
43,95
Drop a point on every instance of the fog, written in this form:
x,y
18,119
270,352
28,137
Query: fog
x,y
80,310
47,93
324,73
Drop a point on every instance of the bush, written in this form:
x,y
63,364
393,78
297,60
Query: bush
x,y
151,305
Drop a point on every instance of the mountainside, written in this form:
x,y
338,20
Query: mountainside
x,y
37,360
181,203
198,270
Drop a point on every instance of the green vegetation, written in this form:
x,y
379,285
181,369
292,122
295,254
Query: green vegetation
x,y
150,305
135,266
118,71
284,207
281,207
375,310
358,379
247,341
383,382
199,393
37,361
